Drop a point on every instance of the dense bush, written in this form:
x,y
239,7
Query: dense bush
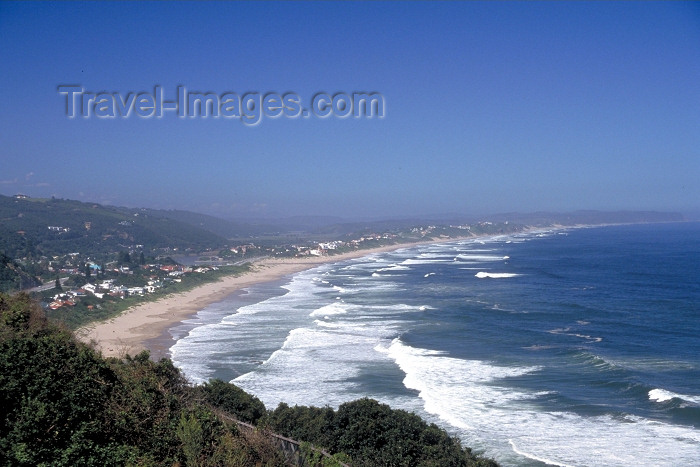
x,y
233,400
64,405
52,390
312,424
374,434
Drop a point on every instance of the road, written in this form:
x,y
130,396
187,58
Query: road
x,y
47,286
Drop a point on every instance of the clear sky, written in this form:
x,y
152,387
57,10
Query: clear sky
x,y
490,107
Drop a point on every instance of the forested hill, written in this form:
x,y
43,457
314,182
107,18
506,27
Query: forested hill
x,y
36,226
216,225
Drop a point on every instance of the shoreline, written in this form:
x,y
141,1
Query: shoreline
x,y
145,326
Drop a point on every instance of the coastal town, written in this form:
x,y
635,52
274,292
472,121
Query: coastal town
x,y
85,262
80,280
112,288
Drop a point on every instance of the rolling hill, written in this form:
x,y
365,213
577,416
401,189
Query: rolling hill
x,y
38,226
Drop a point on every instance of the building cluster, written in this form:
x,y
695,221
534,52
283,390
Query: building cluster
x,y
329,248
372,238
112,288
57,228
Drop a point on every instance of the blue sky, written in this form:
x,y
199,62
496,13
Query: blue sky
x,y
490,107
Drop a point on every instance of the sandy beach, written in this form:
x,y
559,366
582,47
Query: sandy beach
x,y
143,326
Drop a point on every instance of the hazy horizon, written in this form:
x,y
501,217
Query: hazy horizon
x,y
489,107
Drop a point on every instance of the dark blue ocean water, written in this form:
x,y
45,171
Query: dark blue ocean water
x,y
564,347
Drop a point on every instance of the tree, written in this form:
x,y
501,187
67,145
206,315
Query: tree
x,y
142,259
234,400
124,257
58,284
372,434
189,431
30,248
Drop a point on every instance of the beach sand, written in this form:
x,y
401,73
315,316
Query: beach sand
x,y
145,326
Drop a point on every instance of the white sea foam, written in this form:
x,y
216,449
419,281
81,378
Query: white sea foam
x,y
445,383
216,344
369,283
662,395
412,261
473,397
435,256
534,457
326,324
429,274
566,332
394,308
335,308
365,311
495,275
479,258
394,267
315,366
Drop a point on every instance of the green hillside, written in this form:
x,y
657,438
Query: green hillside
x,y
13,276
32,227
216,225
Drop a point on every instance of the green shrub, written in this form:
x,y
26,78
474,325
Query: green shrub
x,y
373,434
234,400
64,405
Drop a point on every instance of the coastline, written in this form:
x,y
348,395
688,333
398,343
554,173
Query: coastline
x,y
286,372
145,326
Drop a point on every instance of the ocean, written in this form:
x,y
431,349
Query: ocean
x,y
576,347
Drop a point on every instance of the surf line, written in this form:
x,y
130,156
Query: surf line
x,y
533,457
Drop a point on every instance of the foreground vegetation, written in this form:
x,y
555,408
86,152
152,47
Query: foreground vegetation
x,y
65,405
374,434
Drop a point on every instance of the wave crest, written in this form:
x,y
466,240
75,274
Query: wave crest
x,y
495,275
